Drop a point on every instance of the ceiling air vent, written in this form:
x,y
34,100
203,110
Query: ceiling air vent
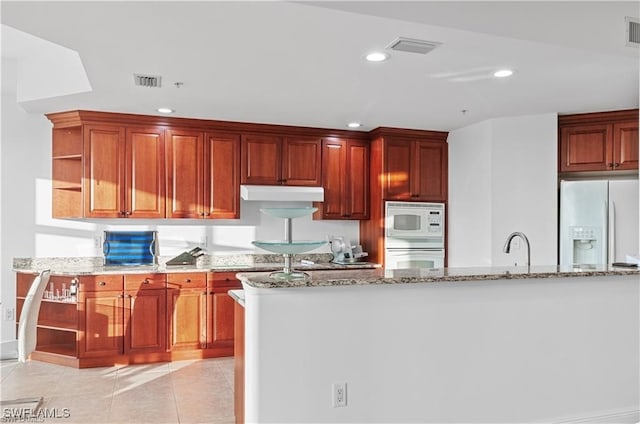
x,y
147,80
412,45
633,31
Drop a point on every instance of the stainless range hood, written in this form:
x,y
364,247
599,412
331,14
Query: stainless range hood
x,y
282,193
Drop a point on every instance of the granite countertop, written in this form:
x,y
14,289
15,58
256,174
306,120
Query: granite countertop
x,y
405,276
208,263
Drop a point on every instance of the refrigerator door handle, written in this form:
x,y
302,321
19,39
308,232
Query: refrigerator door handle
x,y
612,232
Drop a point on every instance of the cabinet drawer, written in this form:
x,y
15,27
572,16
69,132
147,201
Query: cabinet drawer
x,y
145,281
223,279
187,280
93,283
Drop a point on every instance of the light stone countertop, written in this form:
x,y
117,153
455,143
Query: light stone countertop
x,y
406,276
207,263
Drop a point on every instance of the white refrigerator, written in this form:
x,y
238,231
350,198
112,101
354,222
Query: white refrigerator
x,y
598,221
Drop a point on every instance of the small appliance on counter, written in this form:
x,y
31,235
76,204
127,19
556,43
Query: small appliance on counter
x,y
344,252
128,248
187,258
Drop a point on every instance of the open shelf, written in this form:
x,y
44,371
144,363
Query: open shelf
x,y
53,340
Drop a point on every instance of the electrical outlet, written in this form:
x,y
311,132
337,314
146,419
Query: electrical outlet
x,y
9,314
339,394
97,242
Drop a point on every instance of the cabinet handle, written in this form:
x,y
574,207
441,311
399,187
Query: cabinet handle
x,y
102,284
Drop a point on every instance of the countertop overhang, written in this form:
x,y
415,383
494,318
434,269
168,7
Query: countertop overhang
x,y
436,275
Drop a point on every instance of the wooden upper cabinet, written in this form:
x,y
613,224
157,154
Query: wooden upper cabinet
x,y
203,175
301,161
104,171
430,170
274,160
625,145
415,169
345,179
586,148
185,173
144,173
606,141
124,172
261,159
222,176
397,169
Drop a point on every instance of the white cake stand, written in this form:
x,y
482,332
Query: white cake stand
x,y
288,247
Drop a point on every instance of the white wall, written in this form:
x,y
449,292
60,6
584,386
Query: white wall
x,y
29,231
511,351
503,178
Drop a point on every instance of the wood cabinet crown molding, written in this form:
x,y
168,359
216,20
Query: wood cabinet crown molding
x,y
598,117
76,118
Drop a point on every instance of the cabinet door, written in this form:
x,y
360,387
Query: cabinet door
x,y
221,310
103,180
261,159
145,170
357,185
301,161
100,316
586,148
397,169
429,171
145,321
222,176
188,315
625,145
334,174
185,174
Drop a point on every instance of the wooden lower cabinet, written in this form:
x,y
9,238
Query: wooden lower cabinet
x,y
101,326
187,309
135,318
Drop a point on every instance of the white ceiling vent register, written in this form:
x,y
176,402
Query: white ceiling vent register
x,y
413,45
147,80
633,31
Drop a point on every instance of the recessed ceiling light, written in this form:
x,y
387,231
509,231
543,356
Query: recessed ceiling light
x,y
377,57
354,125
164,110
503,73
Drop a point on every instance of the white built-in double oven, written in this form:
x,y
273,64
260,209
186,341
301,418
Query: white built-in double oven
x,y
414,235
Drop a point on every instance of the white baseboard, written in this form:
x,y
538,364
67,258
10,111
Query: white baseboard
x,y
9,350
622,416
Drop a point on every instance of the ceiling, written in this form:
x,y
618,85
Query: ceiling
x,y
301,63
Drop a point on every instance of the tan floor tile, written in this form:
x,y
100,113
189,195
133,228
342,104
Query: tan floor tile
x,y
194,391
77,409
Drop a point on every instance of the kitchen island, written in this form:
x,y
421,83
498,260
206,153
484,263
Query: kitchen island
x,y
447,345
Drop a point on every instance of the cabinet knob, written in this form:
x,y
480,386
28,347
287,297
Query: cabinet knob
x,y
120,296
616,164
102,283
207,214
188,280
146,281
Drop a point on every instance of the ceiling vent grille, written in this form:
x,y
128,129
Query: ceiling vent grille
x,y
413,45
633,31
147,80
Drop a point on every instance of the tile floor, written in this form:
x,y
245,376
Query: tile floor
x,y
199,391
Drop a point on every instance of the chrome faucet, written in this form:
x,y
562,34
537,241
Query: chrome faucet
x,y
507,245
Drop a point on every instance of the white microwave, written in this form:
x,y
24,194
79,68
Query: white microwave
x,y
415,220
